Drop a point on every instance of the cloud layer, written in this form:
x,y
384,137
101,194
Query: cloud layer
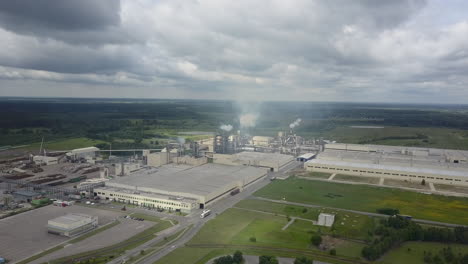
x,y
337,50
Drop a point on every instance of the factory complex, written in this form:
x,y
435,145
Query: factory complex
x,y
400,163
184,187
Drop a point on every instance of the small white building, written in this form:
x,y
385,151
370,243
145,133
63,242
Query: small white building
x,y
72,224
326,220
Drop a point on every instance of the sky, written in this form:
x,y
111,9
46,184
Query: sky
x,y
412,51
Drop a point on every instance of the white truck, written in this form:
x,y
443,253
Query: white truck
x,y
205,213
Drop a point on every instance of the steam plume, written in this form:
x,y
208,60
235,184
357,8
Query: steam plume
x,y
226,128
295,123
248,120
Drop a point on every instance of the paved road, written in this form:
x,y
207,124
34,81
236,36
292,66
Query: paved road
x,y
423,221
217,208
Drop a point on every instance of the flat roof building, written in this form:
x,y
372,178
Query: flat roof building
x,y
402,163
72,224
179,187
273,161
326,219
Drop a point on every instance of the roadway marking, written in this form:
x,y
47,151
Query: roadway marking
x,y
381,181
431,185
332,176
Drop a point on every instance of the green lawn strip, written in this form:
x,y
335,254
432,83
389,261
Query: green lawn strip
x,y
121,247
40,255
416,250
352,178
320,175
94,232
159,245
200,255
154,218
369,199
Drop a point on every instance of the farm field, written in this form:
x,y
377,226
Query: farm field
x,y
416,253
369,198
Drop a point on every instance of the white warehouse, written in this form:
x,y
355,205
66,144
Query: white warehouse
x,y
72,224
401,163
179,186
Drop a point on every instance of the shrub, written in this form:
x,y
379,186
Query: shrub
x,y
253,239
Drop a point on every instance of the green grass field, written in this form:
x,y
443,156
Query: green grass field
x,y
432,137
64,144
369,199
233,229
347,225
416,253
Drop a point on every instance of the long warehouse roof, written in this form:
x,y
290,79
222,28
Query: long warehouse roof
x,y
389,167
200,180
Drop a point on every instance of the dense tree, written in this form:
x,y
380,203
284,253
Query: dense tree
x,y
237,257
303,260
316,240
267,260
224,260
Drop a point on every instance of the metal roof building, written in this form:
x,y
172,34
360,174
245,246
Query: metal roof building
x,y
72,224
402,163
180,186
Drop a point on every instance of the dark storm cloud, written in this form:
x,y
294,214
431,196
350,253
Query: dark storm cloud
x,y
30,16
266,49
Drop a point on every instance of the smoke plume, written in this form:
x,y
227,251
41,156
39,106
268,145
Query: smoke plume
x,y
226,128
295,123
248,120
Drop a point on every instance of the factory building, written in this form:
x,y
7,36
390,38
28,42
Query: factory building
x,y
88,153
401,163
272,161
72,224
179,187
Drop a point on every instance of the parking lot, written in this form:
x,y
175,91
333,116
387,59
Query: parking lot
x,y
126,229
26,234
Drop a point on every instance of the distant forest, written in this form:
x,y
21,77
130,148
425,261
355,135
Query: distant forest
x,y
26,120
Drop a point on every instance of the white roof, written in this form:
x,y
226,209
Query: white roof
x,y
84,150
72,218
389,167
307,156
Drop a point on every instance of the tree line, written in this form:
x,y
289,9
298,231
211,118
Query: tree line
x,y
396,230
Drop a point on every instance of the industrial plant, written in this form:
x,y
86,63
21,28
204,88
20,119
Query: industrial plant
x,y
390,162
